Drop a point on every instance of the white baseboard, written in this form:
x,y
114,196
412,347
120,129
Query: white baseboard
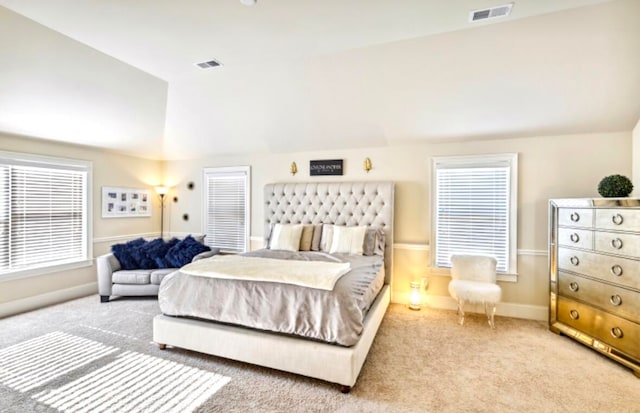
x,y
515,310
43,300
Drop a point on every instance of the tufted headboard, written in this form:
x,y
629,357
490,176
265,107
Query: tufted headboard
x,y
340,203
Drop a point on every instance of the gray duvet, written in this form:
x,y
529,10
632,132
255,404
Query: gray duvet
x,y
332,316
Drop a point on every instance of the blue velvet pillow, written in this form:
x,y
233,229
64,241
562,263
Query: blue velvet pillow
x,y
183,252
123,253
160,253
145,254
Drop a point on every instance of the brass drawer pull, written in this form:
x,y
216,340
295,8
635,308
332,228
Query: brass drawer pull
x,y
573,286
615,300
574,314
574,260
616,332
575,237
616,243
616,270
617,219
575,217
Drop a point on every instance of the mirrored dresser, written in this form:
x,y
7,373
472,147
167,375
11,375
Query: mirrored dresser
x,y
594,275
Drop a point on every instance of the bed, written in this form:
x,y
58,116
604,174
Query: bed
x,y
337,358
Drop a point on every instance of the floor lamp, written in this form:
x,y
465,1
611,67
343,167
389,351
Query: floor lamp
x,y
162,191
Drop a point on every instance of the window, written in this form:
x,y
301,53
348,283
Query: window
x,y
44,213
474,206
226,217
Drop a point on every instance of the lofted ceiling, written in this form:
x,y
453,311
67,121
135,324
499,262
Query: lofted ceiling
x,y
305,75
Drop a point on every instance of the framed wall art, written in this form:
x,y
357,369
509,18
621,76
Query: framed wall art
x,y
125,202
325,167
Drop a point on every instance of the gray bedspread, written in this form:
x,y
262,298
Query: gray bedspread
x,y
332,316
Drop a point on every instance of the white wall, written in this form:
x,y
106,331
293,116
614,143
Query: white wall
x,y
569,72
109,169
635,177
56,88
549,167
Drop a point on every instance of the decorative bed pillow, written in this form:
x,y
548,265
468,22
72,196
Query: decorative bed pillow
x,y
373,242
347,240
183,252
123,253
267,236
285,237
317,235
326,237
306,237
380,243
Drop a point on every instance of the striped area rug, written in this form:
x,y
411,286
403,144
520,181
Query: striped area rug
x,y
132,382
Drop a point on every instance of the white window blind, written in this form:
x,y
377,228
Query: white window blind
x,y
43,213
474,211
227,208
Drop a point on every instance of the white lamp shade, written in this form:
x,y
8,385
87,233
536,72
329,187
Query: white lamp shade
x,y
162,190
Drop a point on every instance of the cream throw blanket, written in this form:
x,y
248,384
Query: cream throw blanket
x,y
312,274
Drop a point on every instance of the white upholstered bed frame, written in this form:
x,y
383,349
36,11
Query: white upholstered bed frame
x,y
341,203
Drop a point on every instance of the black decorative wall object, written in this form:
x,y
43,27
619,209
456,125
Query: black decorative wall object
x,y
325,167
185,217
190,186
175,199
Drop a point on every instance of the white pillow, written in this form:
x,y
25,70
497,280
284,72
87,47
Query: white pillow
x,y
326,237
347,240
286,237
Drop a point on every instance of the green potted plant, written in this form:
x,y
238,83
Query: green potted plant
x,y
615,186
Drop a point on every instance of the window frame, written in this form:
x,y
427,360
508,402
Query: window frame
x,y
479,161
246,170
32,160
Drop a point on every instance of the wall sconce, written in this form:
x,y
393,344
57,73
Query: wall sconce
x,y
294,168
415,297
367,165
161,191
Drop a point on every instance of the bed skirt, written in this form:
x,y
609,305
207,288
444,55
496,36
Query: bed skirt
x,y
330,362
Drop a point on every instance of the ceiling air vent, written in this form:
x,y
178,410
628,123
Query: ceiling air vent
x,y
491,13
209,64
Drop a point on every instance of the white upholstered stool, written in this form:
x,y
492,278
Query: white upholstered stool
x,y
473,280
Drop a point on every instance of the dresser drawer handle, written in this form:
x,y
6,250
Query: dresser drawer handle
x,y
616,243
616,332
617,219
615,300
573,286
574,314
574,237
575,217
616,270
574,260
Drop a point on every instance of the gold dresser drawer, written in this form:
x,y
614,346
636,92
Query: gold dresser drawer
x,y
618,219
617,243
619,301
610,329
618,270
578,238
575,217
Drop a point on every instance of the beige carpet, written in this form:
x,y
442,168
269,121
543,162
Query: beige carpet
x,y
420,362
